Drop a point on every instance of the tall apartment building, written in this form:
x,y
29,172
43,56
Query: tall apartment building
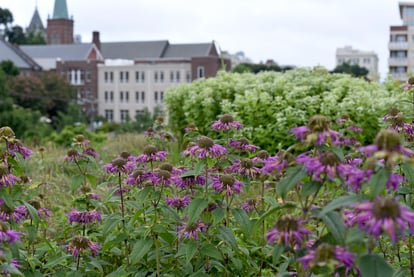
x,y
401,44
366,59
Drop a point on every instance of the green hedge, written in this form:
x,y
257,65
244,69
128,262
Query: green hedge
x,y
269,104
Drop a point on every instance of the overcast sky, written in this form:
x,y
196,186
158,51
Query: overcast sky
x,y
294,32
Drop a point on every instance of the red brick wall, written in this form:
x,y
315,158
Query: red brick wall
x,y
59,31
211,65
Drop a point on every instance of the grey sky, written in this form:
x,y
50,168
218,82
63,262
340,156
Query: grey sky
x,y
296,32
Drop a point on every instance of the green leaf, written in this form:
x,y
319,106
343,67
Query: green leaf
x,y
211,251
57,261
293,176
141,247
32,212
273,210
190,250
310,187
374,265
218,215
340,202
402,272
227,236
195,208
199,167
110,223
244,221
335,225
91,179
76,182
277,252
408,169
377,183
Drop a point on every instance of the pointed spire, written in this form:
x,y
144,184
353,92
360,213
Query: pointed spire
x,y
36,24
60,10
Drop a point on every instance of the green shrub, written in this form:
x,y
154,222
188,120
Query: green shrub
x,y
64,137
271,103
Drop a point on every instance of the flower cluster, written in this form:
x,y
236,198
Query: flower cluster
x,y
85,217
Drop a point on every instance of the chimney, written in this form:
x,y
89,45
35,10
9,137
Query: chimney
x,y
96,40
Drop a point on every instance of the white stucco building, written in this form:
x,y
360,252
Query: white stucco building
x,y
366,59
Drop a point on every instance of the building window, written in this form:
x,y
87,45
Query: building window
x,y
137,76
106,96
111,77
137,96
156,76
367,60
139,112
124,116
142,76
162,76
111,96
88,76
121,76
188,76
171,76
126,76
161,96
106,77
200,72
109,115
142,96
177,76
156,97
126,96
121,96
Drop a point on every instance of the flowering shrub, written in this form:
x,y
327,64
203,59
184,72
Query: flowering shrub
x,y
270,103
328,205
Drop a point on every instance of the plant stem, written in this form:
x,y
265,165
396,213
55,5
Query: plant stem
x,y
410,250
78,262
157,254
206,169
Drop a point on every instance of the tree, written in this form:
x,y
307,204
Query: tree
x,y
256,68
6,17
352,69
9,68
35,38
16,35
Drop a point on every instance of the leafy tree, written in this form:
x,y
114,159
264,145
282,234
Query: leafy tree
x,y
9,68
16,35
6,17
256,68
352,69
34,38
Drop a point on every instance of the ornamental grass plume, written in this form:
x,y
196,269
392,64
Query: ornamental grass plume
x,y
226,123
288,231
206,148
326,254
381,215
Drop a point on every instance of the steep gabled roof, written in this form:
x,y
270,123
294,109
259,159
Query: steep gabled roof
x,y
187,50
36,24
66,52
133,50
15,55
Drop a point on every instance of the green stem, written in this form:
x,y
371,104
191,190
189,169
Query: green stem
x,y
206,169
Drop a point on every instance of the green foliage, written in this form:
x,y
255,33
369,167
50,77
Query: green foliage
x,y
272,103
65,136
9,68
353,69
142,121
256,68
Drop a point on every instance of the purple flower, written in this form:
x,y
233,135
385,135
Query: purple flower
x,y
206,148
137,177
17,147
189,181
192,230
381,215
8,236
301,132
79,245
86,217
317,132
90,152
243,145
226,123
7,180
178,202
249,206
72,155
43,213
228,183
15,214
329,254
163,177
150,132
274,163
327,164
288,231
244,167
394,181
119,165
151,155
355,129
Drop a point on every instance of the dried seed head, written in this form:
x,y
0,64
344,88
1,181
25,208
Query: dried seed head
x,y
79,138
150,150
263,154
166,166
324,253
386,208
227,180
329,158
205,142
244,141
246,163
80,242
411,80
6,132
124,155
226,118
72,152
319,123
119,162
388,140
164,174
35,204
287,223
137,173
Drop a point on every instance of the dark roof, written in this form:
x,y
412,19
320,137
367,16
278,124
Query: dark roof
x,y
36,24
60,10
15,55
187,50
133,50
68,52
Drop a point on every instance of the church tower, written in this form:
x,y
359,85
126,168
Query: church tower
x,y
36,25
60,26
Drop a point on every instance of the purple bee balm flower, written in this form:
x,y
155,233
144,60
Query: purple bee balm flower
x,y
178,202
327,164
317,132
79,245
151,155
150,132
86,217
243,145
189,181
17,147
226,123
244,167
394,181
274,165
7,180
329,254
43,213
163,177
8,236
381,215
228,183
355,129
192,230
288,231
90,152
301,132
15,214
249,206
137,177
119,165
206,148
72,155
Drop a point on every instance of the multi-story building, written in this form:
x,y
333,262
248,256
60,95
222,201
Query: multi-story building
x,y
401,44
26,65
366,59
